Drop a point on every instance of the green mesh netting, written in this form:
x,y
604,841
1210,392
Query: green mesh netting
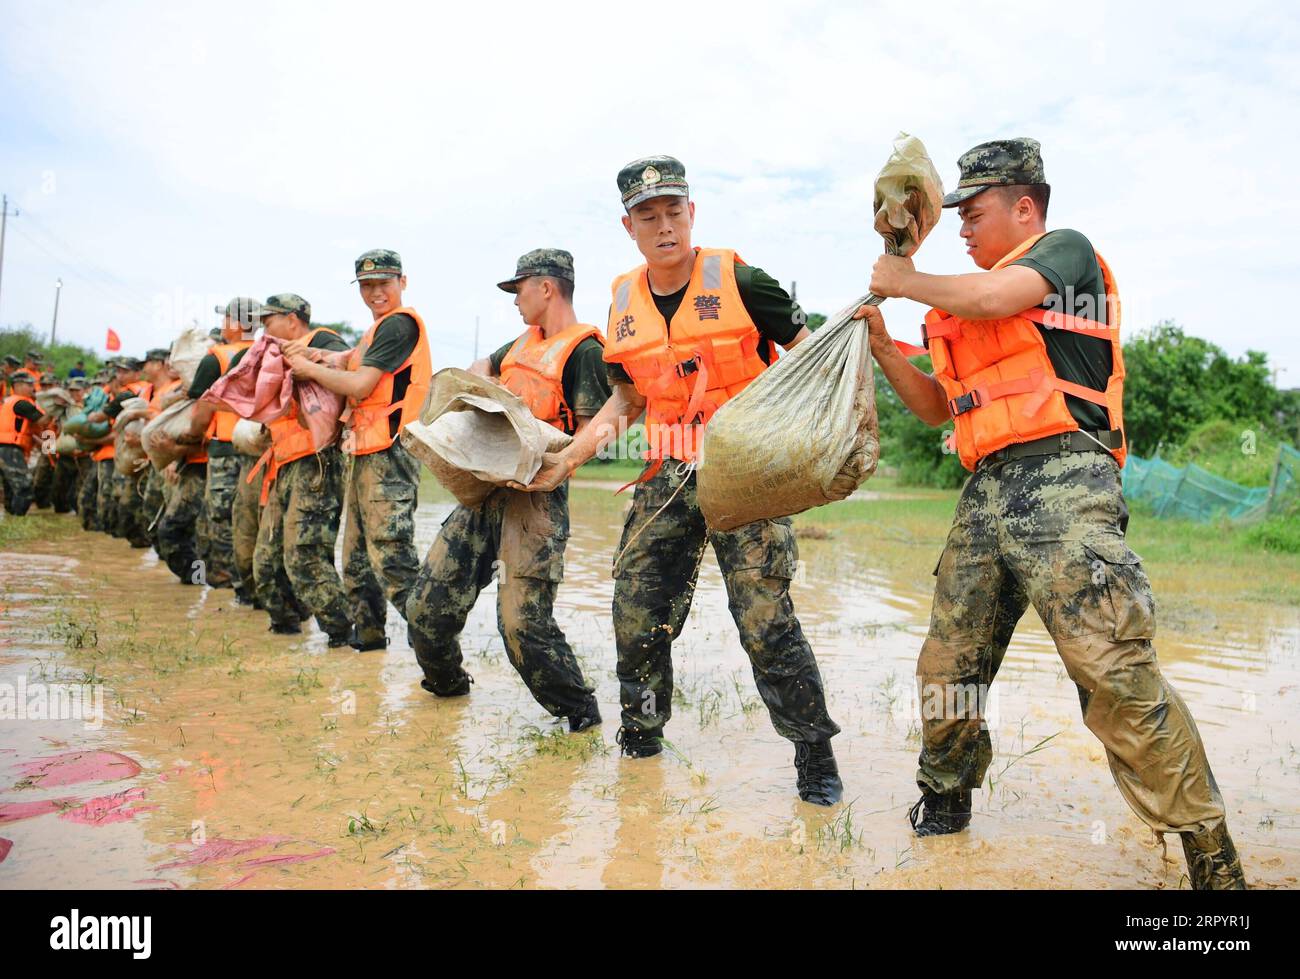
x,y
1193,493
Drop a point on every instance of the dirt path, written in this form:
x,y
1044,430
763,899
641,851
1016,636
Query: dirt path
x,y
265,761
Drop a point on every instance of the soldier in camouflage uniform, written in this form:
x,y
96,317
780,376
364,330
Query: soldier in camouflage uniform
x,y
67,465
713,302
245,514
133,518
1041,520
293,561
519,538
385,381
21,426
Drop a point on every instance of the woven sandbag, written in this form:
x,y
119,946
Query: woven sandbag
x,y
250,438
175,421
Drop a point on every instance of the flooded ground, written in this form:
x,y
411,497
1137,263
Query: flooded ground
x,y
228,757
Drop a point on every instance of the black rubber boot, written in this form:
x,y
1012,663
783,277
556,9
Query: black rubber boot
x,y
366,645
1212,862
944,813
338,642
636,743
455,686
589,716
818,775
286,628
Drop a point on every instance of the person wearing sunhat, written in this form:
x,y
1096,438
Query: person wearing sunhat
x,y
238,324
1029,370
293,560
385,381
21,422
688,330
556,368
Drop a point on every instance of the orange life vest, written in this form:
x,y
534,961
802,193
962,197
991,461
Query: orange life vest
x,y
398,397
534,369
141,389
222,426
690,368
11,432
1001,386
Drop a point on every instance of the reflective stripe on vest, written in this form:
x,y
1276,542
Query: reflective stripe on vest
x,y
396,400
11,433
1002,388
690,368
533,368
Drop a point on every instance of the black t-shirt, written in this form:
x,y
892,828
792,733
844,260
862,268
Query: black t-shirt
x,y
1067,261
777,317
208,371
585,386
394,341
26,410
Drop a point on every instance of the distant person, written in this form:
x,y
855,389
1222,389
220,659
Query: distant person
x,y
77,371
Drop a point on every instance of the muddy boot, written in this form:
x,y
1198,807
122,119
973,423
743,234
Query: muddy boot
x,y
1212,863
246,598
818,775
218,579
944,813
636,743
285,628
456,685
589,716
341,640
367,643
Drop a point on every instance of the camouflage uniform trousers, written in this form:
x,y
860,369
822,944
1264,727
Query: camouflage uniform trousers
x,y
654,583
88,496
519,539
131,520
379,559
155,499
106,497
16,479
293,563
245,512
43,479
219,498
1049,530
179,525
64,490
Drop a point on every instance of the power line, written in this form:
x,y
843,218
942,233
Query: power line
x,y
136,305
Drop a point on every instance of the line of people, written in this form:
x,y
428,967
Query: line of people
x,y
1032,384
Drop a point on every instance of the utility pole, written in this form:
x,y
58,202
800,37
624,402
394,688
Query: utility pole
x,y
4,220
58,287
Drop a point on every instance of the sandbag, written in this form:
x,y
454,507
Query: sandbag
x,y
95,399
250,438
56,402
476,435
187,351
804,432
66,444
132,408
174,421
128,452
77,424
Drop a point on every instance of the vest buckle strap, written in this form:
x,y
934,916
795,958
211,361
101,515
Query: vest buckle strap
x,y
966,402
687,367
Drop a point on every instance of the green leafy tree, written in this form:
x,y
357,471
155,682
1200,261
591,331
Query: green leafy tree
x,y
59,358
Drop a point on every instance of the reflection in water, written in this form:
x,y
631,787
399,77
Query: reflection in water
x,y
316,767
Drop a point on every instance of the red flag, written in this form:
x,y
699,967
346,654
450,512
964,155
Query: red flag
x,y
112,342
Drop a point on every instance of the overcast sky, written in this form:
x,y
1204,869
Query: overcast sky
x,y
167,156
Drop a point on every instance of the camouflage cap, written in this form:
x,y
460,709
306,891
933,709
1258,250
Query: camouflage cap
x,y
378,263
77,384
216,333
997,163
540,261
12,361
651,176
21,377
129,364
34,355
285,303
242,309
49,377
157,353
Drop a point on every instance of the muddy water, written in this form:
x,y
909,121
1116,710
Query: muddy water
x,y
269,761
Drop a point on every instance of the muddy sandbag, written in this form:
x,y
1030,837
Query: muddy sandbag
x,y
128,452
250,438
66,444
79,425
187,350
804,433
174,421
476,435
133,408
56,402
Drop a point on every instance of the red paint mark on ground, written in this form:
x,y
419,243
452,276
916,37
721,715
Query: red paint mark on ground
x,y
289,858
5,847
11,812
217,850
159,884
107,809
242,880
79,766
